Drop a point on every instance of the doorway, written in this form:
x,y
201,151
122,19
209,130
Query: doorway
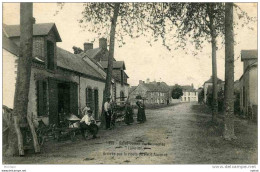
x,y
63,98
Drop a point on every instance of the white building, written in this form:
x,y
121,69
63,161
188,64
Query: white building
x,y
189,94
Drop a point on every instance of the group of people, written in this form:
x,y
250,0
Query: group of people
x,y
89,123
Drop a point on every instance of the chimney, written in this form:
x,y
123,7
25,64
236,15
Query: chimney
x,y
88,46
103,43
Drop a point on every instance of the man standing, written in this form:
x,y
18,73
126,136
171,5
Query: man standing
x,y
108,112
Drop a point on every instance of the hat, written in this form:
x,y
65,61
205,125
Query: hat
x,y
89,111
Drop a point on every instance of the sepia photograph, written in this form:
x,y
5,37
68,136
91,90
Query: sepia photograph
x,y
130,83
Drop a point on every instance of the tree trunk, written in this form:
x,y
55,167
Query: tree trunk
x,y
36,145
229,74
24,71
214,66
110,58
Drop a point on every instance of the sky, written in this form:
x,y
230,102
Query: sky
x,y
142,60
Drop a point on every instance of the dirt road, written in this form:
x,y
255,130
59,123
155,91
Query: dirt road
x,y
170,136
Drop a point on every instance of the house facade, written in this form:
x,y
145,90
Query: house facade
x,y
99,56
152,92
60,83
248,84
189,94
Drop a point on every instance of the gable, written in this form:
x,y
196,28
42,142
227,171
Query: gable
x,y
41,29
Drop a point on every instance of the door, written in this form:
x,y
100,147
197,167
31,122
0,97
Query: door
x,y
53,101
74,98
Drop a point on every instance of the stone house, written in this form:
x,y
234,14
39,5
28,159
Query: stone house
x,y
61,82
120,87
189,94
153,92
248,84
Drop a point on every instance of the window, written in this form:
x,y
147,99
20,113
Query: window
x,y
122,96
41,98
50,55
89,98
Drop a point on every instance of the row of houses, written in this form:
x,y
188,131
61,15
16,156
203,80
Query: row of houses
x,y
153,92
160,93
61,82
246,86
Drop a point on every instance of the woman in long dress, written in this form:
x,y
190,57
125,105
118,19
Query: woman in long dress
x,y
141,112
128,114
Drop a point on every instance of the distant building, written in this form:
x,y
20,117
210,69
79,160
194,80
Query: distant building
x,y
209,83
248,84
153,92
189,94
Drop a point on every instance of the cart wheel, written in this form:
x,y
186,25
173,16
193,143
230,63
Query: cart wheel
x,y
72,136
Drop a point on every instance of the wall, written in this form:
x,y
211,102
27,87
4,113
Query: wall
x,y
9,78
119,88
253,90
140,90
192,95
88,83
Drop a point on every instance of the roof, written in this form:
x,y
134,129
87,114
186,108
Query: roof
x,y
188,88
68,60
248,54
10,45
91,53
132,89
116,64
157,86
38,30
94,54
211,80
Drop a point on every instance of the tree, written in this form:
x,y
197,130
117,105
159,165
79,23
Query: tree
x,y
20,117
177,92
201,96
229,74
77,50
117,20
202,22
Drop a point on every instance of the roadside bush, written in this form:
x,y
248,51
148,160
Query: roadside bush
x,y
220,100
201,96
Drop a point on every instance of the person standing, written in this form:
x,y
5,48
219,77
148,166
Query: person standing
x,y
108,112
141,118
128,114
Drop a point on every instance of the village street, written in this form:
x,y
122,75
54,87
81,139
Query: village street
x,y
171,135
